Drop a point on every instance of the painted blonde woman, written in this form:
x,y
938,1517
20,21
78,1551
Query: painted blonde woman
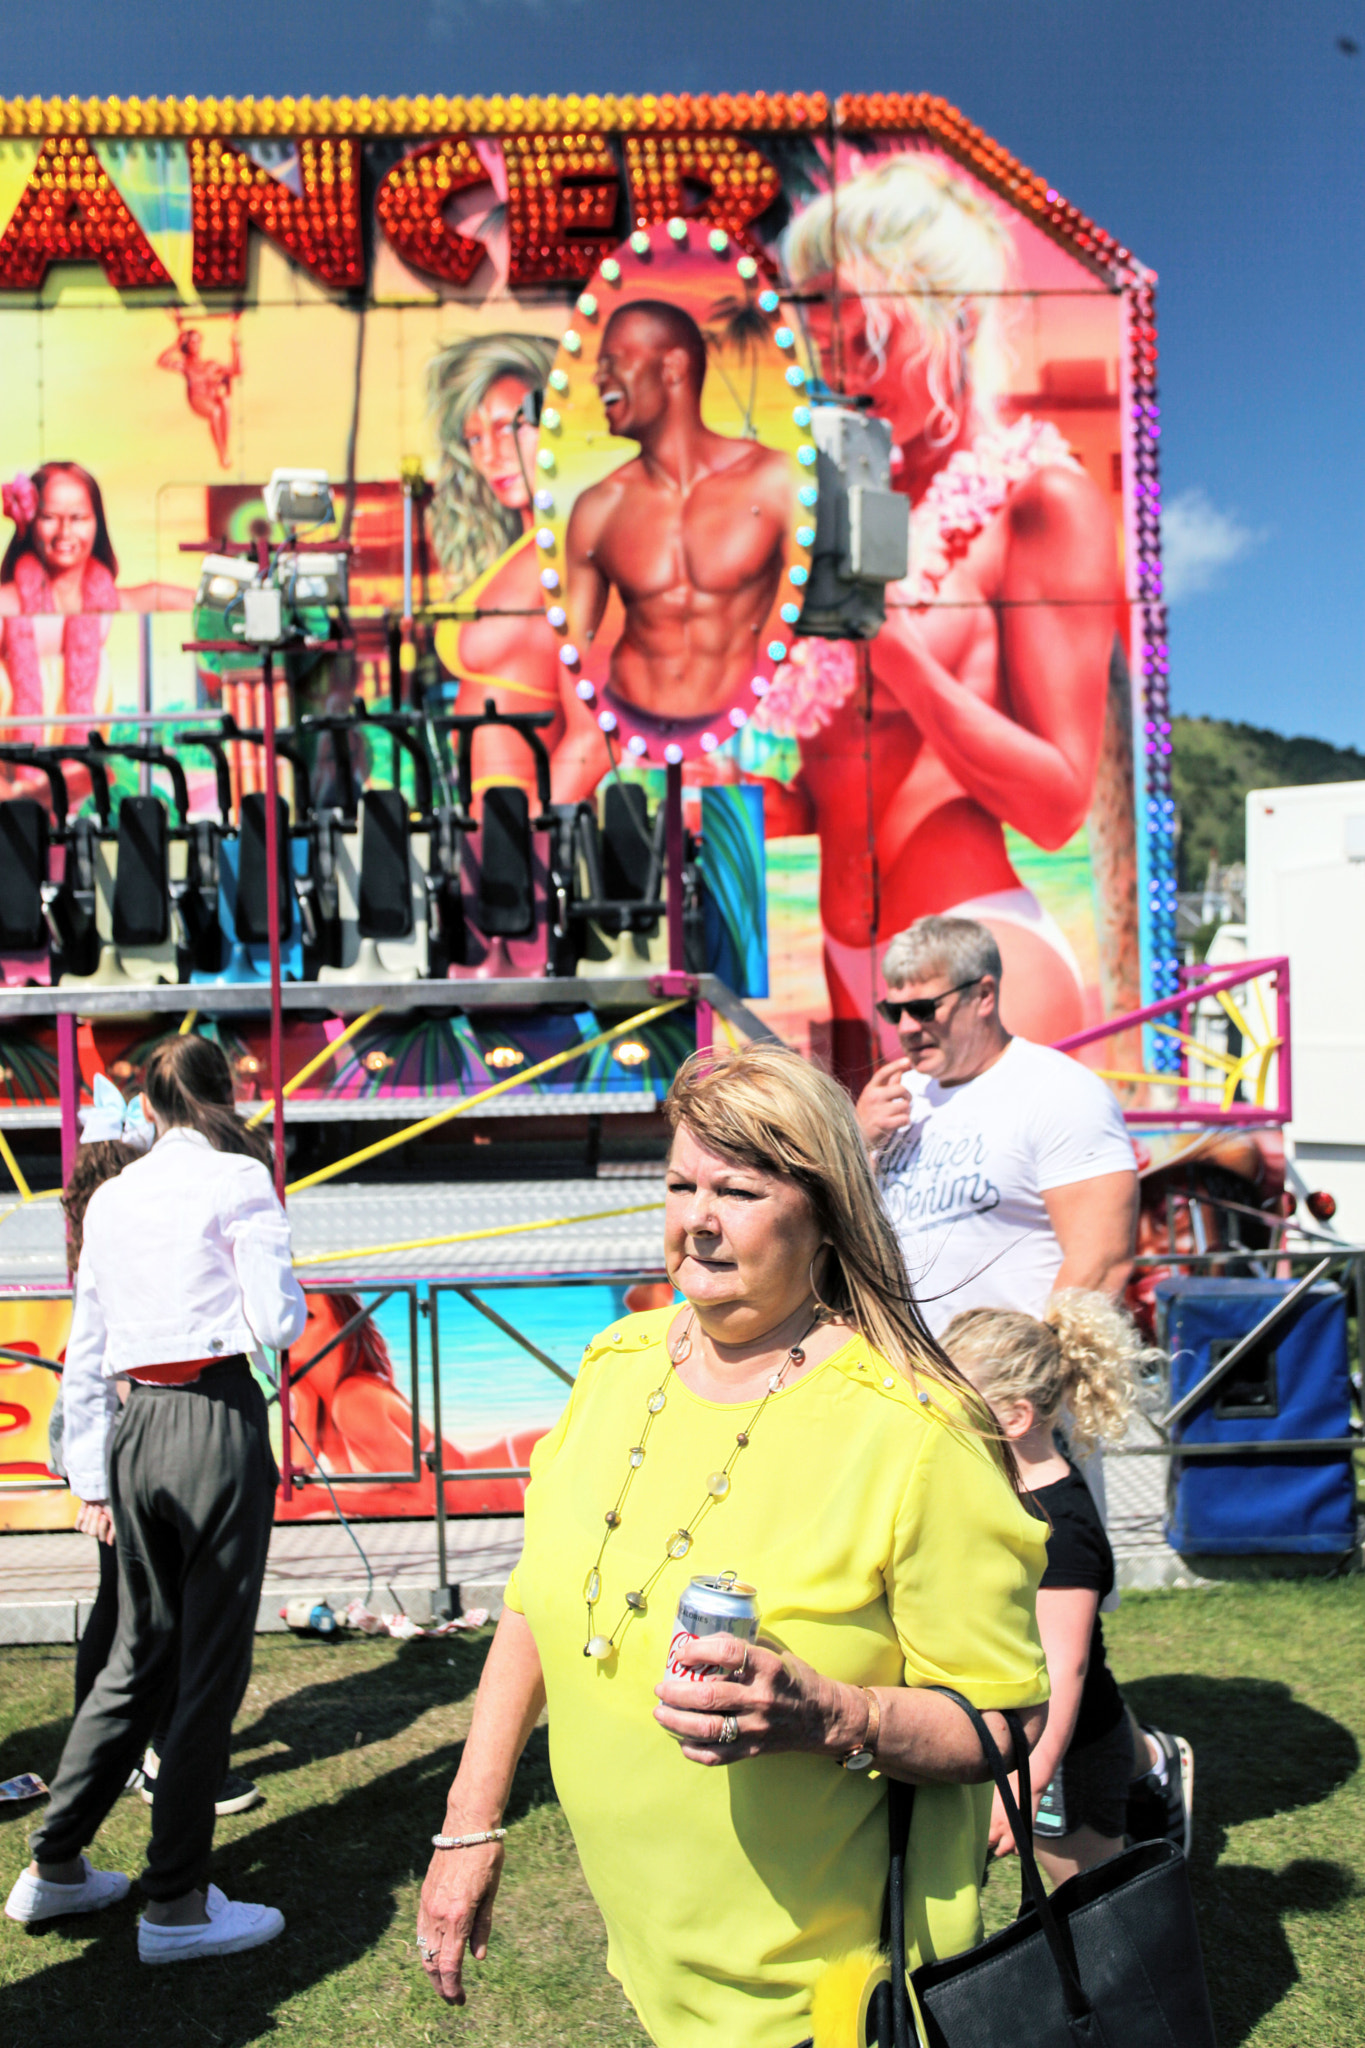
x,y
483,516
988,682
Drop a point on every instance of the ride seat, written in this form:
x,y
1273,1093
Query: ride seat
x,y
243,905
135,877
505,891
382,868
25,836
621,864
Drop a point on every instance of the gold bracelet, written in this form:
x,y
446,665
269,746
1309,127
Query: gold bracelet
x,y
864,1754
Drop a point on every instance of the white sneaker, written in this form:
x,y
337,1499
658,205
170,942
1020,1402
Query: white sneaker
x,y
229,1928
37,1898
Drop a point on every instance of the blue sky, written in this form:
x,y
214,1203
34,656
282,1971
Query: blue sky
x,y
1220,139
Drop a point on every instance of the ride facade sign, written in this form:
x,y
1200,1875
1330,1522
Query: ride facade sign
x,y
602,330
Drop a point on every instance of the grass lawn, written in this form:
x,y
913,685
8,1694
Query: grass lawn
x,y
354,1742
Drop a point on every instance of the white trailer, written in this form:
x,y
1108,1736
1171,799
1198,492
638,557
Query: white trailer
x,y
1306,898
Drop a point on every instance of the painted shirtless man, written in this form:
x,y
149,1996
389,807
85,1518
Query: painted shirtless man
x,y
689,534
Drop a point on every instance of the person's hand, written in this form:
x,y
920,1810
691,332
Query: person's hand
x,y
883,1108
456,1912
777,1703
1000,1840
94,1519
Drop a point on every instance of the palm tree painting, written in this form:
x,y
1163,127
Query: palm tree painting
x,y
738,324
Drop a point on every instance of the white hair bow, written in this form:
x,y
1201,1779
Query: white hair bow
x,y
110,1117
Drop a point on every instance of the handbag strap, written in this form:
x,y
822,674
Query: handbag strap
x,y
1077,2004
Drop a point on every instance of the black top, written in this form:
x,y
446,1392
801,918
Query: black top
x,y
1078,1554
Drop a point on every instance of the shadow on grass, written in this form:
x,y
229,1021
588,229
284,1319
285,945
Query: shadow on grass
x,y
1259,1753
375,1704
38,1748
333,1869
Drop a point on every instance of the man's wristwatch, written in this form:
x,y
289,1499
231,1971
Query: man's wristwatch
x,y
864,1755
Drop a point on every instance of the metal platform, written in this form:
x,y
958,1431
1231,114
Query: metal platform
x,y
400,1109
343,1219
349,998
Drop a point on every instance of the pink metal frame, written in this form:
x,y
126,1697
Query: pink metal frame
x,y
1181,1006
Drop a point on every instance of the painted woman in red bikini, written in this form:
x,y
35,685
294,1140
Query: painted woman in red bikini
x,y
988,681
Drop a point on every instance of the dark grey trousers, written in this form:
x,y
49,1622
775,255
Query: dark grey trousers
x,y
191,1490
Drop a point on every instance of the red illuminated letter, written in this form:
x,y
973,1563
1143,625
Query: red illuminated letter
x,y
319,228
70,211
715,178
411,208
562,192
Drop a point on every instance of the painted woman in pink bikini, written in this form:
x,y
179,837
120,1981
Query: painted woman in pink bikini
x,y
987,685
57,590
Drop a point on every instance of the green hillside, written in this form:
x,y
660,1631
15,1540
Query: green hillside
x,y
1215,763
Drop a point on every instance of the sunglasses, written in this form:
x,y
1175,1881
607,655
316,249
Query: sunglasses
x,y
921,1009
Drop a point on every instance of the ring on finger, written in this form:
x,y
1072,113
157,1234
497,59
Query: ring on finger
x,y
729,1729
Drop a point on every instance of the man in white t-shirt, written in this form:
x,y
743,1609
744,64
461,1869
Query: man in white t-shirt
x,y
1006,1166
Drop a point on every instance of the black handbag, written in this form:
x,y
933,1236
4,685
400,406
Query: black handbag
x,y
1110,1960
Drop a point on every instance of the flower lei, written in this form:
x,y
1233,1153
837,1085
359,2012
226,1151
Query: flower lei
x,y
82,632
819,676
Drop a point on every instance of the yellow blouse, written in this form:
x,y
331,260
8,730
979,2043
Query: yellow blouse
x,y
887,1548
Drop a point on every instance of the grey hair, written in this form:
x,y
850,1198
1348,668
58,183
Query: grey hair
x,y
956,946
470,528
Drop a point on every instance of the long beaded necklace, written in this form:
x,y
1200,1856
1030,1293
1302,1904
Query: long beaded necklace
x,y
717,1487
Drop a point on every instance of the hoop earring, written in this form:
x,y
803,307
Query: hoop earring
x,y
952,426
821,1304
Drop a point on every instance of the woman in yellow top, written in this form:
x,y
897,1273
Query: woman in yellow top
x,y
791,1422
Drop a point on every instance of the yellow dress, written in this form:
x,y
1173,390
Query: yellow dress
x,y
887,1548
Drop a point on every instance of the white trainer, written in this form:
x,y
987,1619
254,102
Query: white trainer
x,y
230,1927
37,1898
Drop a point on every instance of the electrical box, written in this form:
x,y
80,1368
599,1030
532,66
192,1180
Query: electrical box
x,y
862,527
263,611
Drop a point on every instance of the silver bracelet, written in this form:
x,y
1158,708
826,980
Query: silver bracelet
x,y
468,1841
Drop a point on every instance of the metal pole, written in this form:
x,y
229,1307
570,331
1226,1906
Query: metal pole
x,y
272,913
1284,1065
144,691
68,1089
435,1454
407,553
673,851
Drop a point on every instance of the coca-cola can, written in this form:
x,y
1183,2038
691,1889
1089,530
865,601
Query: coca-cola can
x,y
722,1606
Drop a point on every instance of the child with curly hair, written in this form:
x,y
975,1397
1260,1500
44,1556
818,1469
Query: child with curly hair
x,y
1097,1773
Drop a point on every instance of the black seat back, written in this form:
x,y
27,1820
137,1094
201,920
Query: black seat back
x,y
385,910
23,870
253,905
626,843
142,898
507,905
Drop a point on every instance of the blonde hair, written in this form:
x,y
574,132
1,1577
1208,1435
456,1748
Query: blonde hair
x,y
767,1108
1081,1356
469,526
907,229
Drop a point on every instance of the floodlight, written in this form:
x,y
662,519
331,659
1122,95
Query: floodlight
x,y
222,579
312,579
299,497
